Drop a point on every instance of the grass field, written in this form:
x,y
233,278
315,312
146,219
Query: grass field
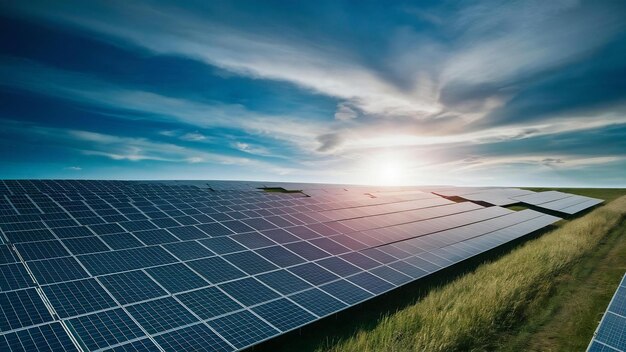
x,y
545,294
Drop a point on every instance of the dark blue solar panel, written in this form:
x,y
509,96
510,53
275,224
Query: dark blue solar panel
x,y
71,232
215,229
154,237
41,250
250,262
13,277
408,269
242,328
85,245
121,241
253,240
222,245
249,291
186,233
49,337
318,302
22,308
197,338
283,314
177,278
370,282
130,259
208,302
618,304
283,281
139,225
216,269
132,286
143,345
57,270
307,250
30,235
391,275
188,250
346,291
106,229
237,226
7,255
161,315
259,224
280,256
612,331
106,328
313,273
78,297
280,236
338,266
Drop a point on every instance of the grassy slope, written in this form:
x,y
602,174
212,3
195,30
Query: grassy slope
x,y
513,292
567,319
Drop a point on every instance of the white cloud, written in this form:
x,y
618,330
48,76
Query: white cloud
x,y
345,112
73,168
193,136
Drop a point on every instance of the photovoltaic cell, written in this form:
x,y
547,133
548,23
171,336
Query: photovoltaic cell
x,y
188,250
22,308
216,269
132,286
13,277
283,281
192,338
318,302
161,315
48,337
143,345
283,314
250,262
248,291
208,302
78,297
106,328
176,278
346,291
57,270
242,328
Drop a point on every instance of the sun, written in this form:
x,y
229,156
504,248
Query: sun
x,y
390,173
384,169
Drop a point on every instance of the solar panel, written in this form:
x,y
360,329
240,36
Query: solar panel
x,y
133,266
611,332
550,200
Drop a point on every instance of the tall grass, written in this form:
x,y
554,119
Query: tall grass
x,y
468,313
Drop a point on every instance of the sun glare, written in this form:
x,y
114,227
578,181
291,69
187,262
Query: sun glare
x,y
390,173
385,169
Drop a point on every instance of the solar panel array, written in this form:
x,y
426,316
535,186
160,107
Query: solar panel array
x,y
611,333
566,203
178,266
559,201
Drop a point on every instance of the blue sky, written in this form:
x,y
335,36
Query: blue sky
x,y
429,92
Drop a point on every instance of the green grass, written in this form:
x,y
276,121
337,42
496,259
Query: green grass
x,y
474,311
516,207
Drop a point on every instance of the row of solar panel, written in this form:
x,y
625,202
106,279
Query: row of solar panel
x,y
270,279
551,200
611,332
282,314
41,255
